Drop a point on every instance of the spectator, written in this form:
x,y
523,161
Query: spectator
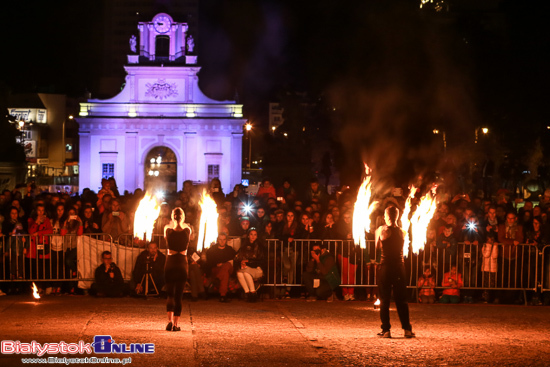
x,y
266,191
219,265
286,191
150,261
89,225
510,235
489,266
250,260
108,278
448,243
57,250
216,192
304,229
426,285
11,227
348,255
329,229
321,277
37,262
316,193
260,219
453,281
115,222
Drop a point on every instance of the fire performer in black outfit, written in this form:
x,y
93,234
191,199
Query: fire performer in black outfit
x,y
175,271
391,274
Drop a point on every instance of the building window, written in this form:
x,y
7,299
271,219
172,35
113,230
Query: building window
x,y
213,171
108,170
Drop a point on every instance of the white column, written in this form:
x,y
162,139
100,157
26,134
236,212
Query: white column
x,y
84,161
236,158
131,161
191,156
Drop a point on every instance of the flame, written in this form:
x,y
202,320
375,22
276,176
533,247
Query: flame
x,y
362,210
35,291
208,227
146,214
377,303
405,222
421,219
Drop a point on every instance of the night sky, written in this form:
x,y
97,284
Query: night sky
x,y
384,65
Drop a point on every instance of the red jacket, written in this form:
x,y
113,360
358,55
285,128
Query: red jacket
x,y
40,239
446,283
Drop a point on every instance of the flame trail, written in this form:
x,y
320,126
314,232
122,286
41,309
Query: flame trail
x,y
146,214
35,291
208,227
362,210
421,219
405,221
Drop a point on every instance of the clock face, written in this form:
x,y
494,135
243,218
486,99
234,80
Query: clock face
x,y
162,23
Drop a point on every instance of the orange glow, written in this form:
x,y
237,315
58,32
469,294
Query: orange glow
x,y
405,222
362,210
208,227
146,214
35,291
421,219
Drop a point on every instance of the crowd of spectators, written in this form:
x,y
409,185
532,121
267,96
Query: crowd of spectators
x,y
466,232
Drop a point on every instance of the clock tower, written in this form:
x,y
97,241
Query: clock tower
x,y
160,130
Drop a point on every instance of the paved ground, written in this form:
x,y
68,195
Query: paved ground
x,y
285,333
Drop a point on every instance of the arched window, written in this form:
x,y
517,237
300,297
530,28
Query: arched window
x,y
162,46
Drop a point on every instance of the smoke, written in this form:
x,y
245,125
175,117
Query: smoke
x,y
415,80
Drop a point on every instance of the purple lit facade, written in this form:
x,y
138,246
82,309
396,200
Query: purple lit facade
x,y
160,130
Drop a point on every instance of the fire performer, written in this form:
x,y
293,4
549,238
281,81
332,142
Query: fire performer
x,y
391,274
175,272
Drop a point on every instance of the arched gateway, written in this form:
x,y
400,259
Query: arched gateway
x,y
160,107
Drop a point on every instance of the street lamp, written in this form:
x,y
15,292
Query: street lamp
x,y
484,130
64,148
248,127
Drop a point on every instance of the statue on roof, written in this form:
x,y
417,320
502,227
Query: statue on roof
x,y
133,43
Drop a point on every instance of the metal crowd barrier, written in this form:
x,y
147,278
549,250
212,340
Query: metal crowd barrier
x,y
525,268
545,269
510,269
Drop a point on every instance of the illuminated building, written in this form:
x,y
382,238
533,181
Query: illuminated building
x,y
160,130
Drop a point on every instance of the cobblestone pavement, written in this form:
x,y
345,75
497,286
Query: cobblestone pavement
x,y
285,333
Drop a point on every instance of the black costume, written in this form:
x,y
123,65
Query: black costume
x,y
391,274
176,268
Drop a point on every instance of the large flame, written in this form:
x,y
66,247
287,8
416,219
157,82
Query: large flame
x,y
146,214
35,291
405,221
421,219
208,227
362,210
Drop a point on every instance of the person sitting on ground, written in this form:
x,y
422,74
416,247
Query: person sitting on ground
x,y
452,280
426,285
250,260
219,264
150,261
321,277
108,278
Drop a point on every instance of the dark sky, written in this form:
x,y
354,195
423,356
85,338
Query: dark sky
x,y
482,63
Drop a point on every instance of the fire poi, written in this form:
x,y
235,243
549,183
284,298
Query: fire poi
x,y
146,214
208,226
417,224
363,209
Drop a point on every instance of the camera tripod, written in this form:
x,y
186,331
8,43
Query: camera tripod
x,y
146,278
